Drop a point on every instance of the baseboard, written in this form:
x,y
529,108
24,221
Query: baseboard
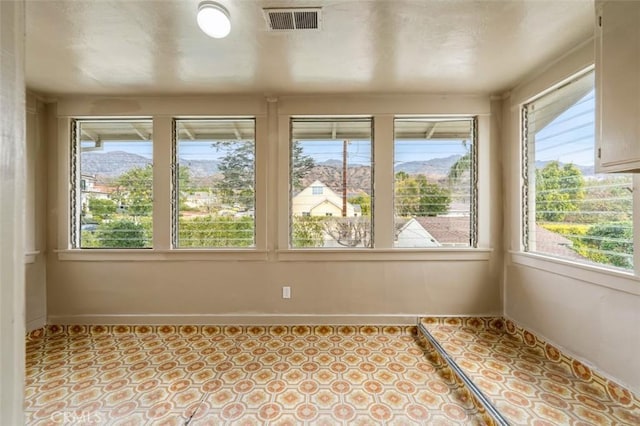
x,y
244,319
35,324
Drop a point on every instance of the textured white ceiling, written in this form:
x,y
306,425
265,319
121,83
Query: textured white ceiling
x,y
122,47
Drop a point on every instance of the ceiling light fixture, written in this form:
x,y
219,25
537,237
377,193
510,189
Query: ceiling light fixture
x,y
213,19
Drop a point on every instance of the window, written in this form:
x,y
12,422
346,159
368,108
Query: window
x,y
435,182
214,183
569,211
112,183
331,180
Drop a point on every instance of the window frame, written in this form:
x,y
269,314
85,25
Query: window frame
x,y
272,115
473,207
174,187
75,180
329,118
561,265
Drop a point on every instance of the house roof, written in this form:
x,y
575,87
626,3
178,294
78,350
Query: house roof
x,y
447,229
548,242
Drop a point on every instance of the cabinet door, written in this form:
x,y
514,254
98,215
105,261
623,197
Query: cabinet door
x,y
618,86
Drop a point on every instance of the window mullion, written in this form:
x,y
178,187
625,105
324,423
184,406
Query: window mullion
x,y
162,126
383,177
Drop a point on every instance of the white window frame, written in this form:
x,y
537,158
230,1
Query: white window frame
x,y
473,208
175,213
76,181
384,110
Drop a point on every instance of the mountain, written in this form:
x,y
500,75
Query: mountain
x,y
200,168
329,172
111,164
435,167
330,163
358,177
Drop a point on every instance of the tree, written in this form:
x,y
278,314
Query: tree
x,y
121,234
134,190
307,231
349,231
300,165
559,190
364,201
237,168
215,231
610,243
101,208
238,171
416,196
461,166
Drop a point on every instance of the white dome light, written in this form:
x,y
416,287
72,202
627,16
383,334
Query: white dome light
x,y
213,19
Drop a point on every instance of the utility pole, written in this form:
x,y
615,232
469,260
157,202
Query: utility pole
x,y
344,178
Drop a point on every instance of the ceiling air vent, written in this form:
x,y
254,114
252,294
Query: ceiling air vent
x,y
293,19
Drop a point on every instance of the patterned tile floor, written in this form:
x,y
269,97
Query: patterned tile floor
x,y
528,380
163,375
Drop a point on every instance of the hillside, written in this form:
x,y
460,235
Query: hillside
x,y
113,164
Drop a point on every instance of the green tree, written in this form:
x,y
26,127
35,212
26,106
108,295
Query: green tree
x,y
606,199
307,231
416,196
215,231
184,183
461,166
610,243
238,170
364,201
101,208
559,190
300,165
134,190
121,234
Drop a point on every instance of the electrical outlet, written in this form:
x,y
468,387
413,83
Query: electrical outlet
x,y
286,292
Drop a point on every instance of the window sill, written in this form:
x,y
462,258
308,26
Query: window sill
x,y
593,274
374,255
30,257
148,255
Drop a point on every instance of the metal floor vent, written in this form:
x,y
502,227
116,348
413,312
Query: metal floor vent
x,y
293,19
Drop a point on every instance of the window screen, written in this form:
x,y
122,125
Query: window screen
x,y
570,211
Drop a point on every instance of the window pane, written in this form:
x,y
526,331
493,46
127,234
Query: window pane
x,y
114,188
572,212
215,185
434,174
331,186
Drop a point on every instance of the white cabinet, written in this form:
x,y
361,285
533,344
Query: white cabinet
x,y
618,86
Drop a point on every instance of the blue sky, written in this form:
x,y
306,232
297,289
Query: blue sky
x,y
569,138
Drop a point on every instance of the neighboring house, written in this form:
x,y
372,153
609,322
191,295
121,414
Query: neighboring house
x,y
552,243
200,199
90,189
318,199
411,234
448,230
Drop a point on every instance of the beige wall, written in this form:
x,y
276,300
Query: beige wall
x,y
385,285
35,215
590,313
12,235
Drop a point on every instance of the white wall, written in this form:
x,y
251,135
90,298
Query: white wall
x,y
12,174
592,314
35,215
383,285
